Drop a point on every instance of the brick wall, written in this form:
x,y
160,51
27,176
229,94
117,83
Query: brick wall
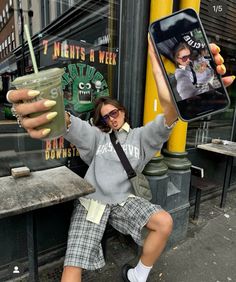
x,y
6,30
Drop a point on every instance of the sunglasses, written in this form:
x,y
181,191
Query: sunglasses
x,y
114,114
185,58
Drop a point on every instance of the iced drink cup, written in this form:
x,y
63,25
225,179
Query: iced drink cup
x,y
48,82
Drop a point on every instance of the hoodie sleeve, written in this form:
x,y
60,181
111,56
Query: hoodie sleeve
x,y
153,135
84,136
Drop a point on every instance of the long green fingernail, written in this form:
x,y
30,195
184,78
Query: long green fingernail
x,y
46,131
223,68
233,77
51,115
218,48
222,60
49,103
33,93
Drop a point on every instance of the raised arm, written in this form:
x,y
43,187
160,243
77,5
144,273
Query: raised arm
x,y
163,91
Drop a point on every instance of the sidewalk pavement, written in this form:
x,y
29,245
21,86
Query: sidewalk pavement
x,y
208,254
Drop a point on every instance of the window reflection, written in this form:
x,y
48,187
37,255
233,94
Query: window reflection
x,y
82,38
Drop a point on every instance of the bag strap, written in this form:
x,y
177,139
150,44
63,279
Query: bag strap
x,y
194,75
122,156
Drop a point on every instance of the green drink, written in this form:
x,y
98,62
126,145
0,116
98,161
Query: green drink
x,y
48,82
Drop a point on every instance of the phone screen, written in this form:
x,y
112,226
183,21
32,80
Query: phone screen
x,y
196,87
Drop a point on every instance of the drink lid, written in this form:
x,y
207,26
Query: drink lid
x,y
41,76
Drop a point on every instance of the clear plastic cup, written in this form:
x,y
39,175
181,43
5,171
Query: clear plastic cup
x,y
48,82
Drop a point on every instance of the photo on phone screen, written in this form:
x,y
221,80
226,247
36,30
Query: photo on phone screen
x,y
196,87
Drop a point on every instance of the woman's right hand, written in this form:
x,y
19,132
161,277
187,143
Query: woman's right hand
x,y
22,110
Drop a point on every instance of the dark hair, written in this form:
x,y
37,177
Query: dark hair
x,y
179,47
97,117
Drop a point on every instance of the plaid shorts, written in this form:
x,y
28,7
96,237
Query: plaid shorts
x,y
84,240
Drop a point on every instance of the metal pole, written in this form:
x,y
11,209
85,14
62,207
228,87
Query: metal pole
x,y
228,166
233,130
32,248
135,20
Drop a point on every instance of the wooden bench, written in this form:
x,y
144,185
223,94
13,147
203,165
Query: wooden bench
x,y
228,149
199,183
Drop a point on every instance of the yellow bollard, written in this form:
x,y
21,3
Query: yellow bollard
x,y
195,4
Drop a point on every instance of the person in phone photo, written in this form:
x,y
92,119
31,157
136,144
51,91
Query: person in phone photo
x,y
185,76
194,74
114,200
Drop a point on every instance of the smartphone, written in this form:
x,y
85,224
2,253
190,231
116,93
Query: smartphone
x,y
197,89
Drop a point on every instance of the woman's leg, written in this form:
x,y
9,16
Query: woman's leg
x,y
160,227
71,274
84,239
130,219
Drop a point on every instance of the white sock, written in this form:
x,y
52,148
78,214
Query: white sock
x,y
139,273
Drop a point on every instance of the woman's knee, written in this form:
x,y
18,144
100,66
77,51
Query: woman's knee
x,y
165,223
162,222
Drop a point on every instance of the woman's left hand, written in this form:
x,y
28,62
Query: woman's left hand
x,y
221,69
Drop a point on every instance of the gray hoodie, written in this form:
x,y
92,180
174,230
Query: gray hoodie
x,y
105,171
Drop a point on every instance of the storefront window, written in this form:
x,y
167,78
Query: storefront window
x,y
220,125
84,42
45,13
220,29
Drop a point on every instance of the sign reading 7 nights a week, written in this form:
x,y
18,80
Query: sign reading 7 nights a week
x,y
82,53
88,68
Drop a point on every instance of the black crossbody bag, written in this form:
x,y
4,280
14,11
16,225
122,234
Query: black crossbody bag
x,y
139,181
